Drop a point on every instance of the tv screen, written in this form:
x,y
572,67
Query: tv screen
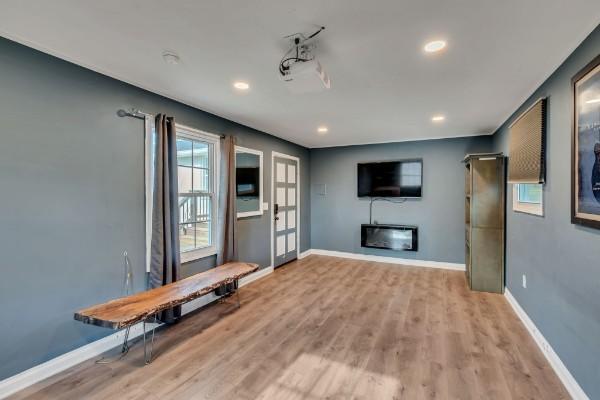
x,y
390,179
247,182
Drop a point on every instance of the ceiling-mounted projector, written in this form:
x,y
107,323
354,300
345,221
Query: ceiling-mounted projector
x,y
299,69
306,77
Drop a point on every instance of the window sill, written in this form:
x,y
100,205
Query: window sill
x,y
249,214
194,255
528,208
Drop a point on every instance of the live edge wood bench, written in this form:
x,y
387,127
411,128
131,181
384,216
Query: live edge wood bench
x,y
140,307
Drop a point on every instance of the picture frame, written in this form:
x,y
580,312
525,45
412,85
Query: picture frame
x,y
585,146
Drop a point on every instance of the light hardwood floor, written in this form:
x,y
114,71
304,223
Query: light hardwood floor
x,y
331,328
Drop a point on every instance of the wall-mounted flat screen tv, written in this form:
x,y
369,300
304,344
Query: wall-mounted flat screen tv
x,y
391,179
247,182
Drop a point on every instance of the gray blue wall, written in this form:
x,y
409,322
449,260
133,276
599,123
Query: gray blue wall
x,y
72,198
336,217
561,260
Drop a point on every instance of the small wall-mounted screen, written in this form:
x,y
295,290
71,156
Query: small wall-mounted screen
x,y
247,182
391,179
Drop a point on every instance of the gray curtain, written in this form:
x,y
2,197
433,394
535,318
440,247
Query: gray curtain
x,y
227,241
165,264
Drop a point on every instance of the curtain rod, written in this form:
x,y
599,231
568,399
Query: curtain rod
x,y
133,113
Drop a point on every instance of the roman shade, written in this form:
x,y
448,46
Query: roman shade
x,y
527,146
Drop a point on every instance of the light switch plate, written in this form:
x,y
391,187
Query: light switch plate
x,y
265,206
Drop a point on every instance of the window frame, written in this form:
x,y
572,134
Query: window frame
x,y
215,141
259,153
528,207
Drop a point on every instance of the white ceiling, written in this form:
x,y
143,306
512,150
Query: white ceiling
x,y
384,87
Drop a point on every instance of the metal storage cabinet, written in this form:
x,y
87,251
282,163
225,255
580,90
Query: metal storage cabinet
x,y
484,220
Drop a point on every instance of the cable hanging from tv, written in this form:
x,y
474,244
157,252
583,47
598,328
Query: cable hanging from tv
x,y
389,200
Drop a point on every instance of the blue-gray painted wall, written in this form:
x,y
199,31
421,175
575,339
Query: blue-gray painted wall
x,y
336,216
561,260
72,198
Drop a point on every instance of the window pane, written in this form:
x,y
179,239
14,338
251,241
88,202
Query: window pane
x,y
186,209
186,237
203,238
184,179
203,208
201,180
184,152
195,180
201,154
530,193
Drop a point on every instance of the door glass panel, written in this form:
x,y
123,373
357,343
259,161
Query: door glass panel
x,y
291,196
280,245
281,197
281,221
291,174
291,241
291,219
280,172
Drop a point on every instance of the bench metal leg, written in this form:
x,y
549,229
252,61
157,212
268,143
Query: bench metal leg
x,y
124,350
231,293
125,347
148,354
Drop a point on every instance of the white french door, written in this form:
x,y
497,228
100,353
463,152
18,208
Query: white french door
x,y
285,188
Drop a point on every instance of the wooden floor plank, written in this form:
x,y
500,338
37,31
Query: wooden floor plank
x,y
326,327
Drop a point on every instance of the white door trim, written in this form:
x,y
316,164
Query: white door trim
x,y
298,212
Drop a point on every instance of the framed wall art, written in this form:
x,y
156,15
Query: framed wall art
x,y
585,155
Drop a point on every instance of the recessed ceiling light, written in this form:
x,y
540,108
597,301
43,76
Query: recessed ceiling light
x,y
170,58
438,118
435,46
322,129
592,101
241,85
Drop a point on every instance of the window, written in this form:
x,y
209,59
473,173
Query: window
x,y
528,198
197,175
249,182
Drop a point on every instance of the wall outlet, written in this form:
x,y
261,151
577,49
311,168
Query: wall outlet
x,y
525,281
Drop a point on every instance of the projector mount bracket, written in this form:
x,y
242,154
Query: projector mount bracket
x,y
301,50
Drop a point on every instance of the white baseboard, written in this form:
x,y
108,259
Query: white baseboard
x,y
52,367
561,370
261,273
45,370
390,260
304,254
